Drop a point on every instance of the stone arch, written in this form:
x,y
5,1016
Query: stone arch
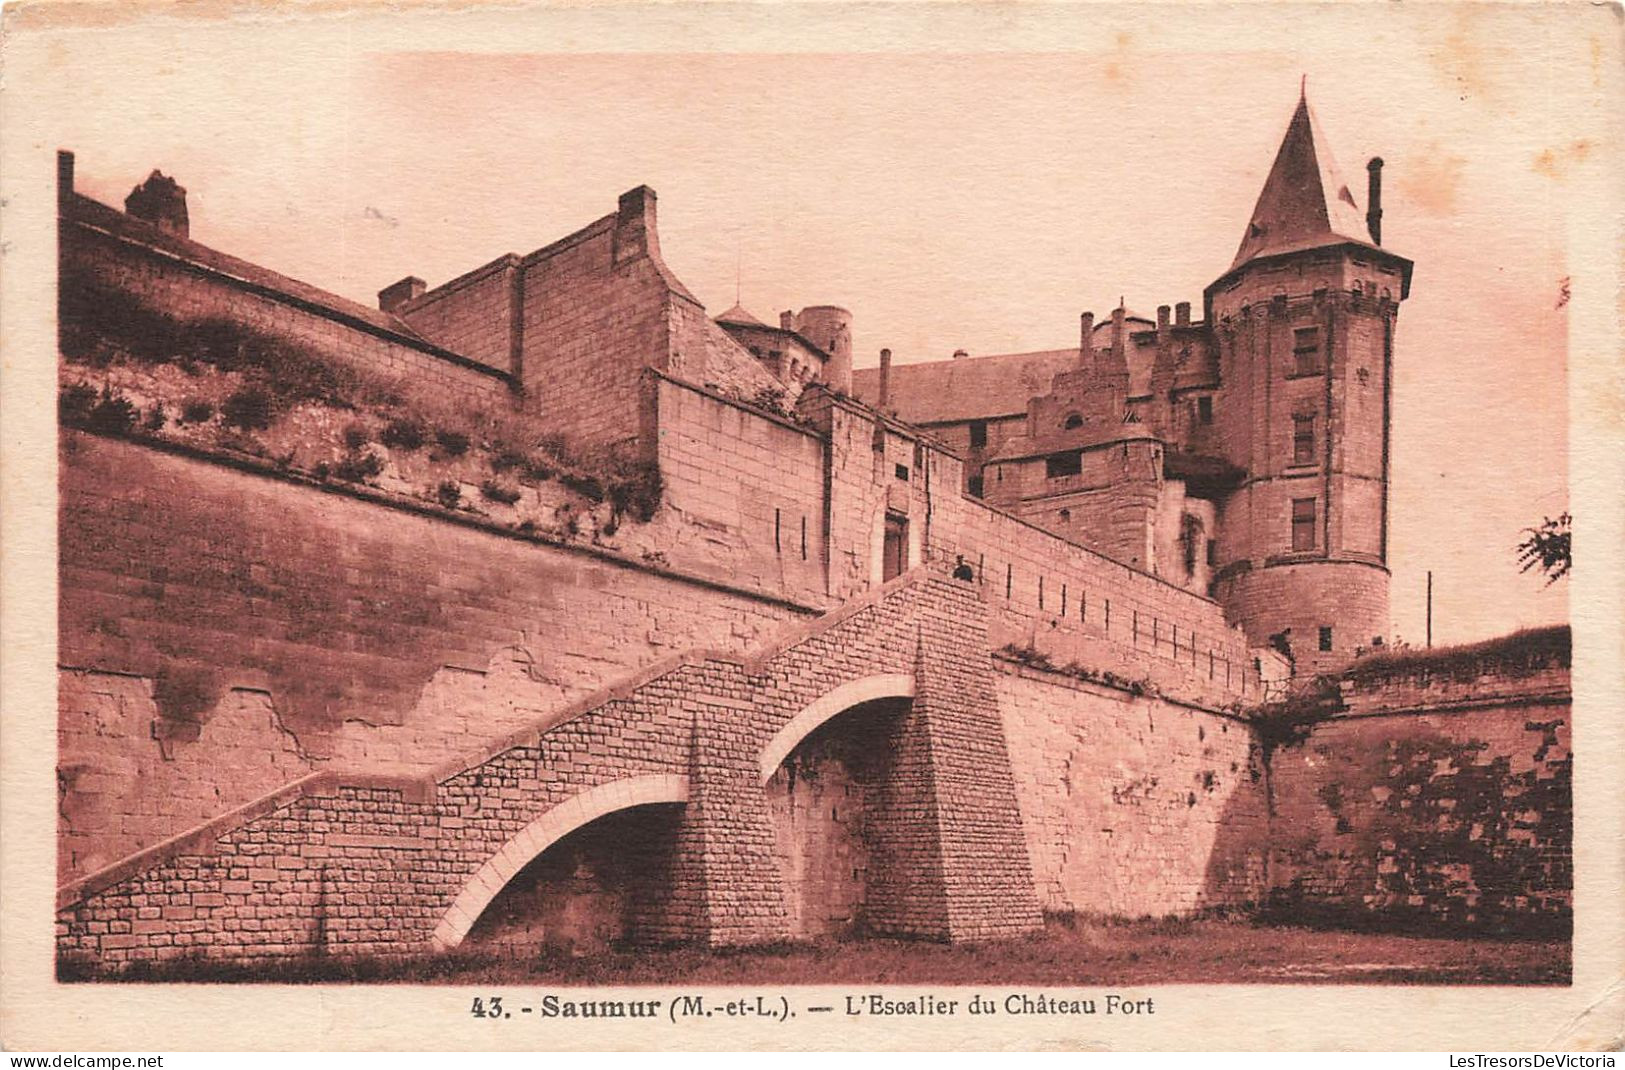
x,y
541,834
828,705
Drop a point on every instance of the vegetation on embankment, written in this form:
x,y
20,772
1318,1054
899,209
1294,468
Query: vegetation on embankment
x,y
129,370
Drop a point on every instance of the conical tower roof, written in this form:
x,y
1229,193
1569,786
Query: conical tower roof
x,y
1305,202
737,314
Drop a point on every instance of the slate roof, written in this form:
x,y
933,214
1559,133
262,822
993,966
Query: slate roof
x,y
1305,202
970,388
737,314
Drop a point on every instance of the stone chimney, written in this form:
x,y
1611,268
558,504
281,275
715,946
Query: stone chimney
x,y
885,380
635,232
396,294
1373,204
1182,314
161,201
64,175
1086,338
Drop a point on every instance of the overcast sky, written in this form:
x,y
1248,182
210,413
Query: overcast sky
x,y
976,185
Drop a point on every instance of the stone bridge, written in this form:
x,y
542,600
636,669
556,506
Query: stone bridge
x,y
676,771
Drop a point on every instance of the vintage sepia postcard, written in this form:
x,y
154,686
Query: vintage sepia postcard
x,y
831,525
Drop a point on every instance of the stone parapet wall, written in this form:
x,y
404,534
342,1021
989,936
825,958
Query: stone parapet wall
x,y
1043,590
473,314
190,290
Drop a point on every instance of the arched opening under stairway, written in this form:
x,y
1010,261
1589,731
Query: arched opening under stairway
x,y
604,885
593,870
829,799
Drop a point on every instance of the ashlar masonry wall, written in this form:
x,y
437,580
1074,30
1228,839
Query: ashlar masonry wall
x,y
127,775
474,314
1133,805
744,492
283,615
1432,799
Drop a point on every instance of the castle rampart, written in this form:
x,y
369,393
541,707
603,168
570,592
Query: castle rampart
x,y
1436,793
102,251
559,555
371,636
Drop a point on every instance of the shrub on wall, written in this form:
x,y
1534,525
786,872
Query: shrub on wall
x,y
358,467
499,492
451,443
536,469
1288,722
248,409
637,491
588,486
403,433
197,411
114,414
505,458
74,402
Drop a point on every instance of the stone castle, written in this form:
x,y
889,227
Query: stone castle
x,y
544,608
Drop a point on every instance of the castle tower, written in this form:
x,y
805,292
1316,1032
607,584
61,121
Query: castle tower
x,y
1304,320
830,328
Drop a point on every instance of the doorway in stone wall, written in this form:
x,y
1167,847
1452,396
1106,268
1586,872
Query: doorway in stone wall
x,y
894,550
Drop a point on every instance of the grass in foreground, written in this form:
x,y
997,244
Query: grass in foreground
x,y
1066,952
